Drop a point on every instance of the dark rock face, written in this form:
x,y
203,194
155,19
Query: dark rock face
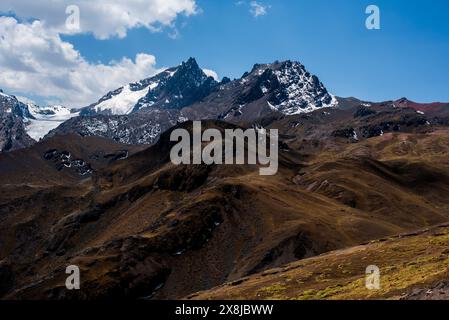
x,y
364,112
6,279
265,82
12,134
12,129
403,123
188,85
344,133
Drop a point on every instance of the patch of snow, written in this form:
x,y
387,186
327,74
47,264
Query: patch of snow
x,y
124,102
355,136
419,112
148,104
125,156
234,111
171,73
182,119
271,106
264,89
154,85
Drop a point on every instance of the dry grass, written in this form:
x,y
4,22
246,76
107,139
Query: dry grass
x,y
405,263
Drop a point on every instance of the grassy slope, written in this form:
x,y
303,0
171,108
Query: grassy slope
x,y
406,262
408,195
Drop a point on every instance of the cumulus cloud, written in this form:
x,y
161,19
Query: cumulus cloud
x,y
104,19
36,61
258,9
211,73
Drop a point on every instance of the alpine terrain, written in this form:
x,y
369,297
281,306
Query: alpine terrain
x,y
139,112
359,183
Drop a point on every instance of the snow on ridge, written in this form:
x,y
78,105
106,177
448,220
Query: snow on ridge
x,y
271,106
171,73
304,91
124,102
7,96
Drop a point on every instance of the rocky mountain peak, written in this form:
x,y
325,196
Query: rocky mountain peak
x,y
173,88
287,87
299,91
190,64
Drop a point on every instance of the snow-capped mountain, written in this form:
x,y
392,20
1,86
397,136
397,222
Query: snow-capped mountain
x,y
295,89
281,87
42,120
173,88
138,112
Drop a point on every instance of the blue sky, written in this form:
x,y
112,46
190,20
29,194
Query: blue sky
x,y
408,56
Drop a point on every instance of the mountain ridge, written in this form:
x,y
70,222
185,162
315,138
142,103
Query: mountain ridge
x,y
139,112
173,88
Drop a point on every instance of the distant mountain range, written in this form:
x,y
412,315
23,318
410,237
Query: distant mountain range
x,y
139,112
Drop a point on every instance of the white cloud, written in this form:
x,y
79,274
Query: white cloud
x,y
104,19
258,9
35,61
211,73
